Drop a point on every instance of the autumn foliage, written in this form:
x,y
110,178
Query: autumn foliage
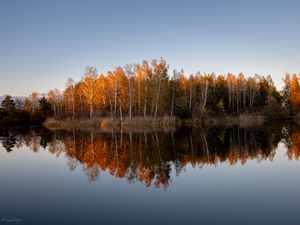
x,y
149,89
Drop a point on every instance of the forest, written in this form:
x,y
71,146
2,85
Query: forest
x,y
13,112
150,90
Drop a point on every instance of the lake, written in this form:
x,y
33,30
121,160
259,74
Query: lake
x,y
189,176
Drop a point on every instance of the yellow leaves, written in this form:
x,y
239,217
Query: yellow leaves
x,y
295,92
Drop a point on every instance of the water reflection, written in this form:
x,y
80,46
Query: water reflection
x,y
150,157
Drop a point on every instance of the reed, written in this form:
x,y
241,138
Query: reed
x,y
243,120
69,123
107,123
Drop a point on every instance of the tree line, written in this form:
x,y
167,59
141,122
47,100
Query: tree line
x,y
148,89
15,111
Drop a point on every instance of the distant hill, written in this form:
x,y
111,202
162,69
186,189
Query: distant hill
x,y
14,98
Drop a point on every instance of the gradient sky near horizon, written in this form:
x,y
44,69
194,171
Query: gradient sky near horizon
x,y
42,43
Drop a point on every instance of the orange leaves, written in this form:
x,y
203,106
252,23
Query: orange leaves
x,y
295,92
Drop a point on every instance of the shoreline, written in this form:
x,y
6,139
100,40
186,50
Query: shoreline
x,y
109,124
159,123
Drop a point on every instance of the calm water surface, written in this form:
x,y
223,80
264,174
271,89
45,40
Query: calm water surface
x,y
191,176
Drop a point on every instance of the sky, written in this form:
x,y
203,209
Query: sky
x,y
42,43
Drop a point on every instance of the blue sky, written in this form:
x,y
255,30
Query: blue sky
x,y
42,43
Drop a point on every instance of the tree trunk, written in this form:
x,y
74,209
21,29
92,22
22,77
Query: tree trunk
x,y
115,98
130,102
157,97
173,99
121,116
91,110
145,101
73,108
91,105
81,105
190,97
205,96
111,107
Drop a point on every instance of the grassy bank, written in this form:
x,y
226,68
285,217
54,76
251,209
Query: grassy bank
x,y
243,120
140,124
107,124
52,123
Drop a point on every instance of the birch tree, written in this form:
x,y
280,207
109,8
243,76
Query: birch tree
x,y
89,88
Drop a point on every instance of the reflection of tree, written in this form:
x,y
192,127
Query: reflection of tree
x,y
292,141
150,157
9,143
122,155
235,145
15,137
